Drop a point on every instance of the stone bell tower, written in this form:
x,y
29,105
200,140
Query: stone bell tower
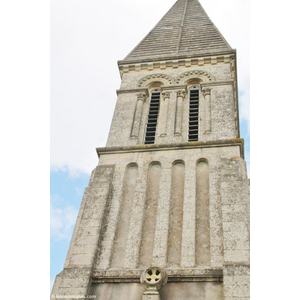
x,y
166,212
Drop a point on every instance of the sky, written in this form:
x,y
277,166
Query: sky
x,y
87,40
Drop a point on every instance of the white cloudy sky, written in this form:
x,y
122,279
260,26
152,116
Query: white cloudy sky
x,y
87,40
62,219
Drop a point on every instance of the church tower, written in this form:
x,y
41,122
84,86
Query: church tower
x,y
166,212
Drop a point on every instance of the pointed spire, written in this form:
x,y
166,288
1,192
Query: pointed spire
x,y
184,30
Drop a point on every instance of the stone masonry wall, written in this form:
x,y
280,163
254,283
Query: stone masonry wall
x,y
165,159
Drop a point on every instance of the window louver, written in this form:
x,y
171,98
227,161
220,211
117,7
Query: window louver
x,y
194,114
152,117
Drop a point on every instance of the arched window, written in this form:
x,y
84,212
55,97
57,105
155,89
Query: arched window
x,y
152,116
194,113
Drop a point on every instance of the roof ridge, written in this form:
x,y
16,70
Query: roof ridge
x,y
151,30
182,22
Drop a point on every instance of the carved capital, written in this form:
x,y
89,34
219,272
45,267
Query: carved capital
x,y
165,94
141,96
181,93
206,91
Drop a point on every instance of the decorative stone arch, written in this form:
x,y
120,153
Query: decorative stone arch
x,y
161,78
155,162
132,164
196,74
202,159
178,161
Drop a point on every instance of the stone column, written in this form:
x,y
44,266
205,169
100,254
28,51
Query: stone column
x,y
141,98
179,111
136,222
206,91
189,217
162,221
164,113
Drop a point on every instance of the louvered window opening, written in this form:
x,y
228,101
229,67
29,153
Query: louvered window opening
x,y
194,114
152,117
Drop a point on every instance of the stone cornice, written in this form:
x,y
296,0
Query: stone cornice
x,y
178,146
145,90
174,275
168,58
173,87
133,91
236,264
175,62
217,83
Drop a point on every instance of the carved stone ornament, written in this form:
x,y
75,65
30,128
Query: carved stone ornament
x,y
142,96
206,91
181,94
152,279
193,74
165,95
148,79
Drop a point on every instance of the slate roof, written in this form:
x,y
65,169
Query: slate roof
x,y
184,30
